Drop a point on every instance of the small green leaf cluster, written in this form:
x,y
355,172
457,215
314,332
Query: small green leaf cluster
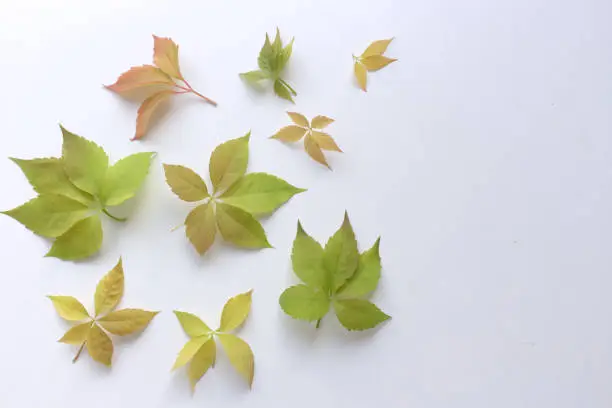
x,y
73,191
338,276
272,60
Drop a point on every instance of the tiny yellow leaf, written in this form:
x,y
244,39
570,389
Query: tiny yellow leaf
x,y
126,321
325,141
99,345
290,133
69,308
76,335
361,74
201,227
189,350
165,56
377,48
235,311
145,77
240,355
320,122
298,119
147,110
314,151
376,62
202,361
109,290
192,324
185,183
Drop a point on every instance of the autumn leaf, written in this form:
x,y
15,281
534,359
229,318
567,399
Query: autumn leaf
x,y
92,332
199,353
372,59
237,198
74,191
272,60
315,141
336,276
156,84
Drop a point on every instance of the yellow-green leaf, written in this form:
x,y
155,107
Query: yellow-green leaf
x,y
192,324
367,275
202,361
291,133
76,335
298,119
99,345
185,183
228,162
201,227
307,260
320,122
69,308
235,311
314,151
126,321
84,161
358,314
281,90
361,74
240,355
124,178
376,62
325,141
189,350
240,228
259,193
305,303
341,257
82,240
109,290
377,48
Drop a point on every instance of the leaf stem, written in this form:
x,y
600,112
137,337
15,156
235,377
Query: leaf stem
x,y
288,86
105,211
189,88
318,324
74,360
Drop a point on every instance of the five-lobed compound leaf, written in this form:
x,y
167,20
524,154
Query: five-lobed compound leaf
x,y
93,332
335,275
237,199
315,141
200,352
155,84
272,60
372,59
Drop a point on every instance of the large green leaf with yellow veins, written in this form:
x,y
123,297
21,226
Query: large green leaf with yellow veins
x,y
200,352
74,191
337,276
238,199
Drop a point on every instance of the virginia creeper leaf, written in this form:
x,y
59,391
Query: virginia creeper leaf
x,y
320,122
361,74
281,90
69,308
99,345
367,275
307,260
290,133
189,350
137,78
85,163
240,228
358,314
228,162
126,321
76,335
147,110
376,62
372,59
240,355
109,290
340,257
193,326
202,361
124,178
82,240
377,48
304,303
165,56
325,141
235,312
299,119
185,183
201,227
314,150
253,77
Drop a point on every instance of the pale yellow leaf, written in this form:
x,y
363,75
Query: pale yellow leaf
x,y
291,133
361,73
165,56
189,350
202,361
240,355
201,227
69,308
376,62
147,110
185,183
377,48
235,311
99,345
126,321
298,119
76,335
192,324
325,141
320,122
109,290
314,151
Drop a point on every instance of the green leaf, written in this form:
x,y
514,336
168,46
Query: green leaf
x,y
240,228
253,77
49,215
124,178
185,183
192,324
358,314
284,55
82,240
341,256
259,193
47,176
201,228
282,91
240,355
305,303
367,276
85,162
228,162
266,60
307,260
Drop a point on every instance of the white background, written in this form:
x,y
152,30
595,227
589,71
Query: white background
x,y
482,158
